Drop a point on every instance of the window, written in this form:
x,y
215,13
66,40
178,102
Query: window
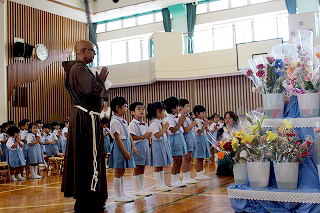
x,y
114,25
159,17
202,8
258,1
265,28
223,37
203,41
119,52
146,19
101,28
134,50
129,22
104,53
238,3
283,27
219,5
243,31
145,48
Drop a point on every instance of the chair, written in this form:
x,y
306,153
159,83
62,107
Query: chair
x,y
4,171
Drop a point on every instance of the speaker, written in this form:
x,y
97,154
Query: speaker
x,y
22,50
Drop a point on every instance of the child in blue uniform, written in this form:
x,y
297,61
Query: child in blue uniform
x,y
23,125
3,140
176,139
140,134
57,132
121,156
201,147
35,152
189,136
50,140
16,156
161,150
106,135
64,137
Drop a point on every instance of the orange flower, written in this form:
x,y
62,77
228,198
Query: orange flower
x,y
220,155
318,54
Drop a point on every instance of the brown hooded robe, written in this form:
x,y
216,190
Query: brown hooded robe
x,y
88,91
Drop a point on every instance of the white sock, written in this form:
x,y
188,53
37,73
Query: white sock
x,y
117,186
178,176
173,178
141,179
189,176
157,176
35,169
162,178
136,181
32,171
122,186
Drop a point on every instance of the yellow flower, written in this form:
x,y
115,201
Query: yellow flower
x,y
235,144
271,136
254,128
247,138
221,144
281,129
287,124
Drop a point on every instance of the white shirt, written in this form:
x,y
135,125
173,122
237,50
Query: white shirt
x,y
11,141
64,130
50,138
32,138
55,132
155,127
187,123
133,129
199,126
23,134
173,121
3,137
115,126
220,125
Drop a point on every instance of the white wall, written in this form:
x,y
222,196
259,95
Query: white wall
x,y
3,61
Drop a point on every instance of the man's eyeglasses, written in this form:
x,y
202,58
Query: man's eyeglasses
x,y
84,49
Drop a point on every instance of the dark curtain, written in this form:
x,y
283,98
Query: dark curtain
x,y
166,20
292,6
191,21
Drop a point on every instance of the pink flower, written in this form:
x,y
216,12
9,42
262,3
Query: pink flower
x,y
249,73
307,58
307,78
270,60
260,73
260,66
308,143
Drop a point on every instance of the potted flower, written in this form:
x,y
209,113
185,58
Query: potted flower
x,y
287,153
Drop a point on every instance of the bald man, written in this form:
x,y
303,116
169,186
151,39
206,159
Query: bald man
x,y
87,92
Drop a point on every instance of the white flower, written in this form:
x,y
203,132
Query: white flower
x,y
243,154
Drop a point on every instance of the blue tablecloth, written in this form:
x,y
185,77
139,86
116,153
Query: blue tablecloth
x,y
308,178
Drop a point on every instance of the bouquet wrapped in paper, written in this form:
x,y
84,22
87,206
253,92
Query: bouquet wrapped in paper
x,y
286,148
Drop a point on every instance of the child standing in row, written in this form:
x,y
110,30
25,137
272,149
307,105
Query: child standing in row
x,y
161,150
16,156
106,136
201,148
3,140
140,134
56,131
35,152
64,137
189,136
123,147
50,141
23,125
176,139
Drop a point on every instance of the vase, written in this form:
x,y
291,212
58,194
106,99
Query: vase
x,y
273,105
240,173
258,173
286,175
309,104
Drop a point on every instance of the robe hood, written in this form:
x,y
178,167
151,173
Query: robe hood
x,y
68,64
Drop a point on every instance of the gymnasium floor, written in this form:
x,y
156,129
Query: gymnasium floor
x,y
45,196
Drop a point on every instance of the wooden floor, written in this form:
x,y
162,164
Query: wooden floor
x,y
45,196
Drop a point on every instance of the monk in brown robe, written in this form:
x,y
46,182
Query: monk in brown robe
x,y
88,92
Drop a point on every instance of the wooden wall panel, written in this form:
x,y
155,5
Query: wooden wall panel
x,y
218,95
47,98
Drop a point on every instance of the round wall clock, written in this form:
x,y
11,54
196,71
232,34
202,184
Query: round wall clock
x,y
41,52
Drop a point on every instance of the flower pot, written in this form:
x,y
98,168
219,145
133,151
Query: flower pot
x,y
258,173
309,104
286,175
273,105
240,173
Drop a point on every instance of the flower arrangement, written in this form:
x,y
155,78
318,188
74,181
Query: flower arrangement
x,y
286,148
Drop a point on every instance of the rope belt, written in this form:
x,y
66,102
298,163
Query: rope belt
x,y
94,180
